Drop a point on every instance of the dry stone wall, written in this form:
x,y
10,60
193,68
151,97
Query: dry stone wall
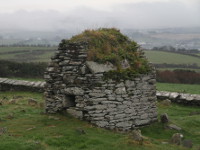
x,y
77,86
181,98
20,85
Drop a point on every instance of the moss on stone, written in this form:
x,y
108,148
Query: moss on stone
x,y
109,45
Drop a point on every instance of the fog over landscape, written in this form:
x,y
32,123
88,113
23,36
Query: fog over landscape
x,y
99,74
149,22
50,15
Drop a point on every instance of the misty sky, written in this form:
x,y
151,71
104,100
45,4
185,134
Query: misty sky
x,y
50,15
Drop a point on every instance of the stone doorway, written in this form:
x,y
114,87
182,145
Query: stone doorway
x,y
69,101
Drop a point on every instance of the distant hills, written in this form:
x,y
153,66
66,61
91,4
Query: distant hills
x,y
188,38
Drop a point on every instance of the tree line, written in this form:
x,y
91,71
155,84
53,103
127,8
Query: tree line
x,y
27,45
173,49
178,76
190,52
24,70
36,70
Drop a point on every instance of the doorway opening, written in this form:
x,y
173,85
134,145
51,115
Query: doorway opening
x,y
69,101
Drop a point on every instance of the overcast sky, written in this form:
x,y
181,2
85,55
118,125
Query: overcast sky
x,y
49,15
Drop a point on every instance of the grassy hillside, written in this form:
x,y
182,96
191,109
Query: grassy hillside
x,y
23,48
171,69
43,54
183,88
27,128
27,54
160,57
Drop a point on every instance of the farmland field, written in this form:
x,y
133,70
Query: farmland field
x,y
27,54
176,36
183,88
171,69
160,57
43,54
24,48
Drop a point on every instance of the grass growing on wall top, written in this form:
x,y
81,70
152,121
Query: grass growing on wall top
x,y
109,45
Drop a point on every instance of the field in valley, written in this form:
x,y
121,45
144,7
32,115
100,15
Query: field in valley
x,y
160,57
43,54
182,88
26,127
27,54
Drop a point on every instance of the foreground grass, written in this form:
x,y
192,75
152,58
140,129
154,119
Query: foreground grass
x,y
183,88
30,129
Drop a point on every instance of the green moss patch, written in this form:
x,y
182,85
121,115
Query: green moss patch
x,y
109,45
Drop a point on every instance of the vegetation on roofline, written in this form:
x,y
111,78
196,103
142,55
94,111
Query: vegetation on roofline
x,y
109,45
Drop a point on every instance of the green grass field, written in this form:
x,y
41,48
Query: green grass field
x,y
27,54
28,48
43,54
183,88
160,57
171,69
30,129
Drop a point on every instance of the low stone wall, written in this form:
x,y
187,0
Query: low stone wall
x,y
182,98
20,85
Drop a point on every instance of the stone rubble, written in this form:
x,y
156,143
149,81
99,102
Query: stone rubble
x,y
176,138
187,143
174,127
164,118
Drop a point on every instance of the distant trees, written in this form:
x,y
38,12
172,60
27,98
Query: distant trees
x,y
179,50
26,70
178,76
27,45
185,66
36,70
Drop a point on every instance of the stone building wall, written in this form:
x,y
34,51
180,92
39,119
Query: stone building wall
x,y
77,86
38,86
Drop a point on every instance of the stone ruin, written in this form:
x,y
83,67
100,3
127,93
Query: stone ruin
x,y
78,87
